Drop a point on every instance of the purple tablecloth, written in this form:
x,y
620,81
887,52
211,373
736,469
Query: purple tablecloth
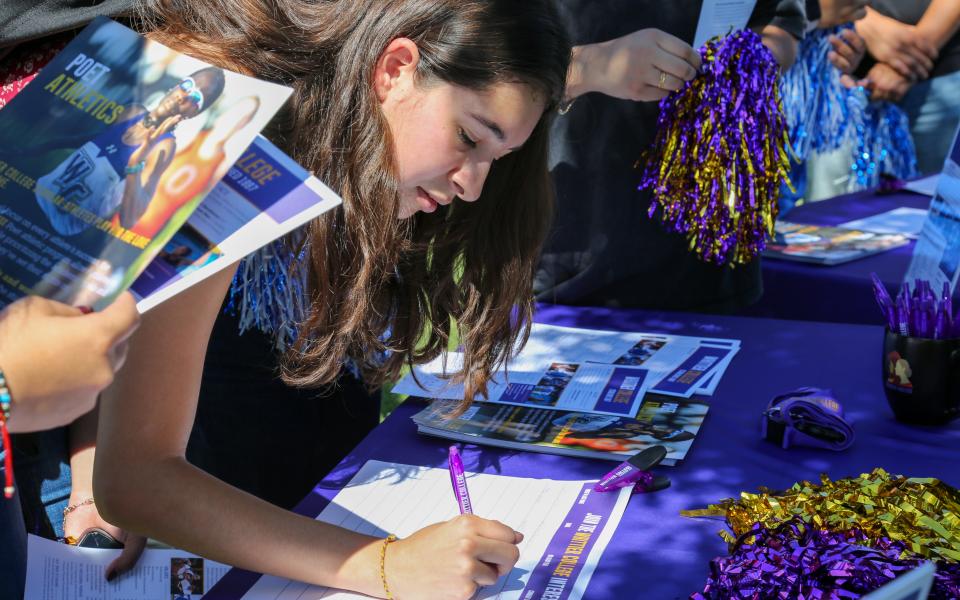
x,y
657,554
841,293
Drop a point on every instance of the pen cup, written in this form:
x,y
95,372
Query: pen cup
x,y
921,378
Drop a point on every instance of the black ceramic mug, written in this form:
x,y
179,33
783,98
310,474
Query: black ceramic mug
x,y
921,378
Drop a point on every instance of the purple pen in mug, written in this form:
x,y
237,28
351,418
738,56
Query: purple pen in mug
x,y
459,480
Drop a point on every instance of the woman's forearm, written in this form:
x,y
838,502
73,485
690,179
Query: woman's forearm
x,y
83,439
940,21
176,503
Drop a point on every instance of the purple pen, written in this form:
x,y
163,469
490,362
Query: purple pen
x,y
459,480
635,470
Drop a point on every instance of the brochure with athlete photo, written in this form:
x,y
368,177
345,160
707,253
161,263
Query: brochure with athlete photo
x,y
661,420
107,153
828,245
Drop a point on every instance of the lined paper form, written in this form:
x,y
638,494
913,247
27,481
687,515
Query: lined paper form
x,y
566,525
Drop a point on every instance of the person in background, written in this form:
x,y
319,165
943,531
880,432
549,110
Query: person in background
x,y
604,249
914,47
912,59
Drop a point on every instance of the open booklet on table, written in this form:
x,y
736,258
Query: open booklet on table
x,y
826,245
101,166
661,421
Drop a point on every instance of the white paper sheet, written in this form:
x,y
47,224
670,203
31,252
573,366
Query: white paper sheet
x,y
57,571
720,17
926,186
391,498
936,257
907,221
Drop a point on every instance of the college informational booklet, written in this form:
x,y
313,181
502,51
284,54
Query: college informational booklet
x,y
583,370
58,571
828,245
661,420
566,526
936,257
263,196
107,153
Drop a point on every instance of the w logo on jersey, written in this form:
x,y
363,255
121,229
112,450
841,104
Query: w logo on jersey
x,y
71,182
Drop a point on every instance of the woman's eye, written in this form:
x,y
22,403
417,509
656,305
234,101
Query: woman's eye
x,y
466,139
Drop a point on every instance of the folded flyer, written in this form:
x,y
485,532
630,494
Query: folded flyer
x,y
583,370
107,153
661,420
264,196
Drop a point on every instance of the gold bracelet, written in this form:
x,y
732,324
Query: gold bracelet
x,y
74,507
383,559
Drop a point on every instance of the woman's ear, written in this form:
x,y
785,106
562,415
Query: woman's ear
x,y
396,68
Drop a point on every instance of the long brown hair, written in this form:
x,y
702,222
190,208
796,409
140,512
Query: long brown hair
x,y
379,285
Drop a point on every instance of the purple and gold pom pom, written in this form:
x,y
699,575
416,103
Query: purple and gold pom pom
x,y
720,154
797,560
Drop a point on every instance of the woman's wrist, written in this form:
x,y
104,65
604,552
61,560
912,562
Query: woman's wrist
x,y
578,75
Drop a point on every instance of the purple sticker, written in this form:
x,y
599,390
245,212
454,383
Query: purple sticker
x,y
556,573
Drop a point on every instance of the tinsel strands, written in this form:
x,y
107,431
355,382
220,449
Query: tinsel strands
x,y
720,154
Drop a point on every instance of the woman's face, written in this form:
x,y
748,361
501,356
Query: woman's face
x,y
179,101
447,137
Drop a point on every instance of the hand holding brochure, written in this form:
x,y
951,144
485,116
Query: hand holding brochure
x,y
107,153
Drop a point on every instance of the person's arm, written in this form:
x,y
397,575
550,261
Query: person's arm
x,y
642,66
781,43
780,24
838,12
143,482
940,22
904,47
144,169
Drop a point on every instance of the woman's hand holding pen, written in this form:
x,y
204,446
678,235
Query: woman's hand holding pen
x,y
451,560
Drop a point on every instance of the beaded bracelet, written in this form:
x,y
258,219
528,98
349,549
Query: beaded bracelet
x,y
383,559
5,402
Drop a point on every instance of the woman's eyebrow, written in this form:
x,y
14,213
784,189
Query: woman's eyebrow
x,y
494,128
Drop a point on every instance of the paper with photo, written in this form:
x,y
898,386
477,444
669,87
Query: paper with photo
x,y
720,17
936,257
903,220
58,571
107,152
561,385
566,525
264,195
659,353
926,186
691,377
598,358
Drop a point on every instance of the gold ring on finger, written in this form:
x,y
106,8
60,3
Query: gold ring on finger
x,y
663,80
